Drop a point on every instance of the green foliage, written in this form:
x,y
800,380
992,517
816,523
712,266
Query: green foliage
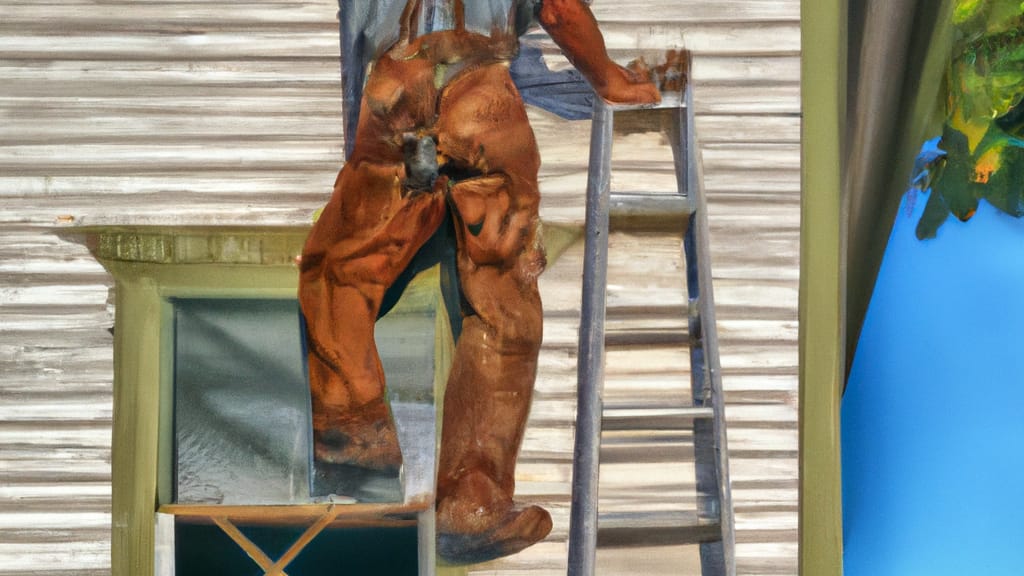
x,y
994,172
1005,189
984,157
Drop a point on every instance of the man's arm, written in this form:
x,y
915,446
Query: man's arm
x,y
573,27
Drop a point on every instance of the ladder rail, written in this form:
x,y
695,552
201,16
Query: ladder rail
x,y
705,368
590,373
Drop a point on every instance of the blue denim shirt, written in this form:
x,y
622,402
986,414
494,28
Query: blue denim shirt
x,y
377,20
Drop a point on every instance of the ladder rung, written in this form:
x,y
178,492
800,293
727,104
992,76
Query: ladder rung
x,y
669,101
652,418
645,529
647,451
646,338
646,210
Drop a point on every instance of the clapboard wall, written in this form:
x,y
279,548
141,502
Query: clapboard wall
x,y
178,111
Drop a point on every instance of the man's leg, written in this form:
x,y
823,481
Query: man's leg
x,y
366,236
483,132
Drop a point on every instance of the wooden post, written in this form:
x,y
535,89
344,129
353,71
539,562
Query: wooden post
x,y
136,424
822,347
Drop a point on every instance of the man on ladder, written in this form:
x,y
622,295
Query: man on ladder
x,y
443,133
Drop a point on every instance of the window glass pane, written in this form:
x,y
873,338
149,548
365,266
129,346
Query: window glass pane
x,y
241,402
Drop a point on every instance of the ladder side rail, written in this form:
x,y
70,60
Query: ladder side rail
x,y
710,385
590,367
712,554
705,462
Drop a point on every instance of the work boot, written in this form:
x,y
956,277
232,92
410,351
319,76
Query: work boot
x,y
477,522
363,437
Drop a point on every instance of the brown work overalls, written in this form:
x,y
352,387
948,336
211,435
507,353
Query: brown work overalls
x,y
442,130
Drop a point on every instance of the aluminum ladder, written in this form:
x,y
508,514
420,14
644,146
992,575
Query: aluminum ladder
x,y
711,526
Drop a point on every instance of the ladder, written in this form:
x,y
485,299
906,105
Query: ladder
x,y
711,526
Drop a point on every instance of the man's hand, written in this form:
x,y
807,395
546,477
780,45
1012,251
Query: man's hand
x,y
624,86
642,83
